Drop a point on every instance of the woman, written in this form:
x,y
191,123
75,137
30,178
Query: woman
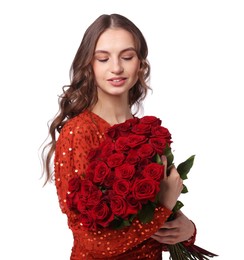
x,y
108,78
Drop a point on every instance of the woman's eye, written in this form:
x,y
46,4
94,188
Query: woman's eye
x,y
102,60
127,58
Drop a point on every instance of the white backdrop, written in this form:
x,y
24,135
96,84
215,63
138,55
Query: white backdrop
x,y
197,58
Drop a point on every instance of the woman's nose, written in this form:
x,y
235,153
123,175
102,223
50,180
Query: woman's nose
x,y
116,67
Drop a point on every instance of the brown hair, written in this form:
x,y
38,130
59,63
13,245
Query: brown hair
x,y
81,94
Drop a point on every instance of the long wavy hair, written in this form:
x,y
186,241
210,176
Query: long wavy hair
x,y
81,94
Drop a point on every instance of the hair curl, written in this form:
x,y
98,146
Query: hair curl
x,y
81,94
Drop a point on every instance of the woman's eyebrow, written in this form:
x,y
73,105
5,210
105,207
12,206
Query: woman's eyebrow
x,y
124,50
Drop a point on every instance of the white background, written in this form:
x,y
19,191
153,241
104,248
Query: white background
x,y
197,58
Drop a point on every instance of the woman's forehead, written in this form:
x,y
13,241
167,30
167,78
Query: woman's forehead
x,y
115,39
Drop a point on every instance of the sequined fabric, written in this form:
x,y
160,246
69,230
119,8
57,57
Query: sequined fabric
x,y
78,136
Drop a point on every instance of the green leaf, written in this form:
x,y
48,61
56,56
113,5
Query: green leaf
x,y
184,190
117,223
131,217
184,167
158,159
156,201
126,223
146,213
170,157
177,206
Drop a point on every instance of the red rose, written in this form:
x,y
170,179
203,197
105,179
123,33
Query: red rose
x,y
90,170
121,144
121,187
124,128
132,157
143,163
133,205
71,200
133,121
159,144
89,195
109,180
136,140
146,151
107,149
86,219
115,160
87,189
161,131
112,132
141,129
145,189
95,197
93,154
80,204
125,171
151,120
100,173
154,171
74,184
119,206
102,214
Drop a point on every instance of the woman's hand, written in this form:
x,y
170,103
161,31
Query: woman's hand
x,y
178,230
170,187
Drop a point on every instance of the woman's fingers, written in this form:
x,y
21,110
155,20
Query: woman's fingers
x,y
175,176
164,161
170,186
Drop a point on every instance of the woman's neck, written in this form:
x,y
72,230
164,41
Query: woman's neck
x,y
114,111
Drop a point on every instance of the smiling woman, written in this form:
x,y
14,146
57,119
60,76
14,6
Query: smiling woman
x,y
108,78
116,66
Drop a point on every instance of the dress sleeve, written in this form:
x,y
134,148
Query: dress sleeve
x,y
70,159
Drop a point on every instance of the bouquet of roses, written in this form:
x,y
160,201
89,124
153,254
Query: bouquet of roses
x,y
123,177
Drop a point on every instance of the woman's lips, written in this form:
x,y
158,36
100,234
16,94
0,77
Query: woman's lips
x,y
116,82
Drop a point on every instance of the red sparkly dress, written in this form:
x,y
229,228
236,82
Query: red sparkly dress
x,y
78,136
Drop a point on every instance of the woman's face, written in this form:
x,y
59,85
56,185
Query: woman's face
x,y
115,63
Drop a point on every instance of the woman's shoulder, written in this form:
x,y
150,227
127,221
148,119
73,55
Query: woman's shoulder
x,y
79,123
